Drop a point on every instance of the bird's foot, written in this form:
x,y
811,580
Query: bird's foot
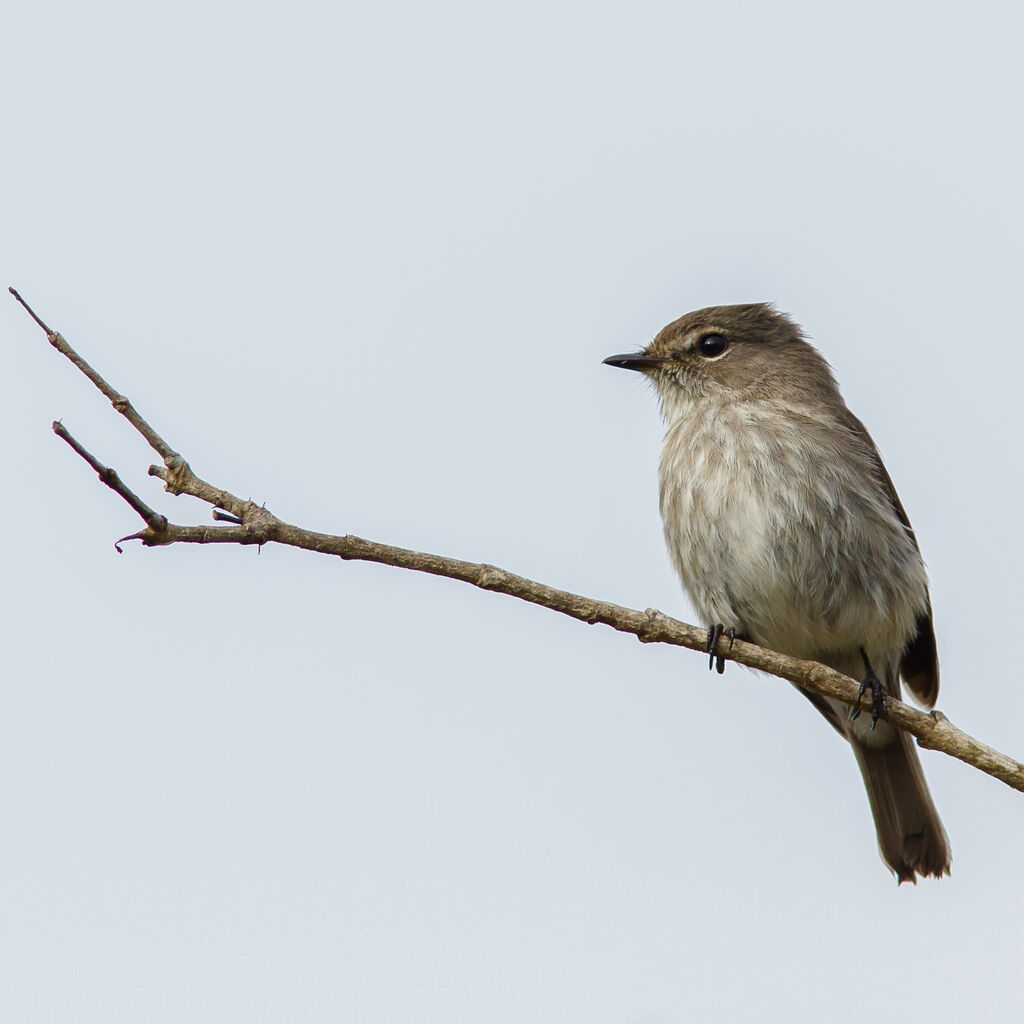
x,y
715,633
878,693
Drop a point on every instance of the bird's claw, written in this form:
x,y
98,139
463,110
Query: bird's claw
x,y
878,694
715,633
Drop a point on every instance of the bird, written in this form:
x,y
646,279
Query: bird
x,y
785,530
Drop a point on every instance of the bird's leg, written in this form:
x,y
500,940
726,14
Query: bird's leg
x,y
878,694
715,633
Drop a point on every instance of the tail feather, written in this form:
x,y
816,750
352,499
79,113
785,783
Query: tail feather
x,y
911,838
910,834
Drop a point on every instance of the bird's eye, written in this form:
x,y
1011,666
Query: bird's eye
x,y
712,345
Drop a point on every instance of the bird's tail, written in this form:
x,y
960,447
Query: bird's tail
x,y
910,834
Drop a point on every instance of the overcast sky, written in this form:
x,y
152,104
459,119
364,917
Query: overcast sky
x,y
362,262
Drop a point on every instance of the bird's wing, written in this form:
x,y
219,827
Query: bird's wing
x,y
919,665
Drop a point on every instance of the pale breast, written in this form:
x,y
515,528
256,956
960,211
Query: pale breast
x,y
778,525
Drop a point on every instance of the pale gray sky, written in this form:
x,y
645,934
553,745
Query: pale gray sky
x,y
362,262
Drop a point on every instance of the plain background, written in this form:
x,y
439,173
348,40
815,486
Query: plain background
x,y
362,262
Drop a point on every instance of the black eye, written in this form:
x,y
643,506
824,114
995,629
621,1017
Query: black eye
x,y
712,345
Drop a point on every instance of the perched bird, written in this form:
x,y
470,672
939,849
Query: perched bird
x,y
785,527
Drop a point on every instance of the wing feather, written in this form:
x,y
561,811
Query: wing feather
x,y
919,665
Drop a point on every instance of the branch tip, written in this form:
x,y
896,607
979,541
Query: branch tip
x,y
131,536
28,309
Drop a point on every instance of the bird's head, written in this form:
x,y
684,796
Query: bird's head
x,y
746,351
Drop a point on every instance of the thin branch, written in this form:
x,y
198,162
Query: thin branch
x,y
253,524
117,400
154,521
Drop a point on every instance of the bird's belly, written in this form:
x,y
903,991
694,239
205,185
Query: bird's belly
x,y
795,560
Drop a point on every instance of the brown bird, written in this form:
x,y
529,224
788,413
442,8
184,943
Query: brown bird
x,y
785,527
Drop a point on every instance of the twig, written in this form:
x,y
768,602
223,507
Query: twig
x,y
155,522
118,401
254,524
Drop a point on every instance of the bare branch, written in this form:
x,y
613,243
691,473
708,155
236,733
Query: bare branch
x,y
118,401
155,522
254,524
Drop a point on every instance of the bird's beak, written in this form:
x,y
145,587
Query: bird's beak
x,y
637,361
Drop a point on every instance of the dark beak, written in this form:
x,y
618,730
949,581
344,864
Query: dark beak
x,y
637,361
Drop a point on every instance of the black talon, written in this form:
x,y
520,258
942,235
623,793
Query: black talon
x,y
715,633
878,693
731,634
